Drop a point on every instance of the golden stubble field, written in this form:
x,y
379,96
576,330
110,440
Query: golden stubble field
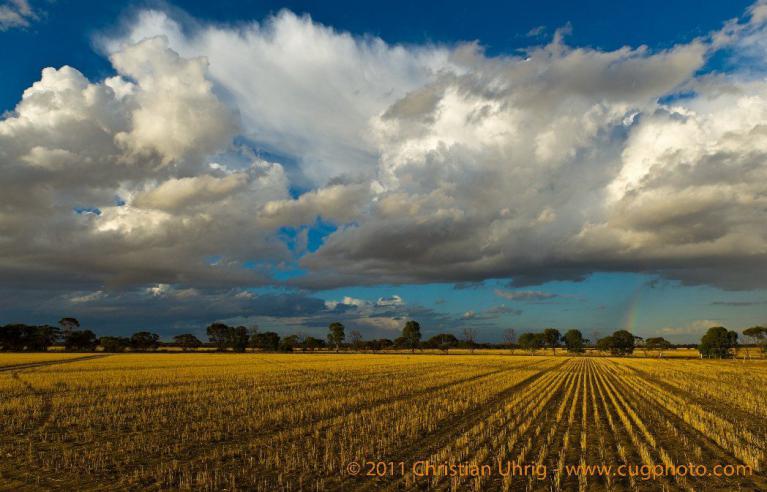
x,y
298,422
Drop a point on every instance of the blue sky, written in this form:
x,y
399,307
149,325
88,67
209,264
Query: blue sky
x,y
315,168
64,34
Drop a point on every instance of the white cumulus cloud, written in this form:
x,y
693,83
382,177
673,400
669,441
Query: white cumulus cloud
x,y
433,163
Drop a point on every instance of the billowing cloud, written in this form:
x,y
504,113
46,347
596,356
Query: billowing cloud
x,y
112,182
431,163
563,163
307,91
176,113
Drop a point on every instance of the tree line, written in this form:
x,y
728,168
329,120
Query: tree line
x,y
619,343
222,337
21,337
718,342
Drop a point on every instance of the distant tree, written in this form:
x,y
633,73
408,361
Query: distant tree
x,y
509,338
289,343
595,336
39,338
605,344
143,340
237,338
443,342
552,337
114,344
758,336
372,345
412,334
20,337
300,336
619,343
470,338
623,343
68,324
80,340
12,338
254,334
532,341
267,341
336,335
187,341
717,343
355,337
400,342
218,335
640,344
657,343
574,341
384,343
311,343
254,328
381,344
49,334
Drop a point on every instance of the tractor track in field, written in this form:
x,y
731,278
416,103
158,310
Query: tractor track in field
x,y
33,365
696,399
446,432
552,395
46,407
22,482
322,419
710,451
300,430
559,413
617,406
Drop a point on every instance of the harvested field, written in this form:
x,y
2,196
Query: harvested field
x,y
257,421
